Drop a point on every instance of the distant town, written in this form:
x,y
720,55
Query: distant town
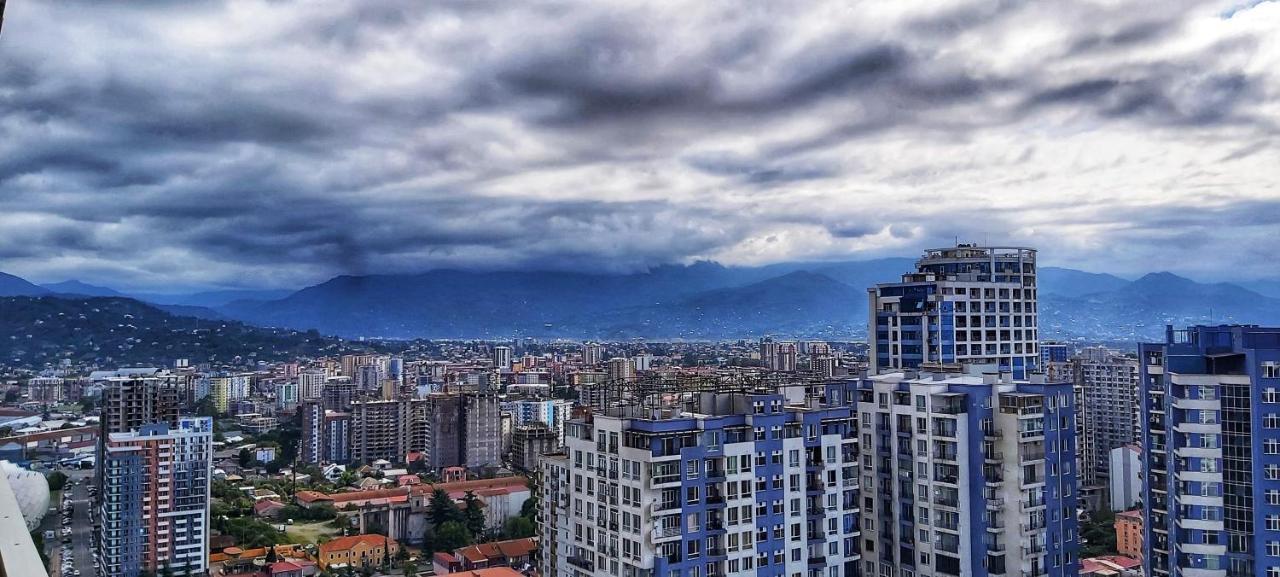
x,y
954,442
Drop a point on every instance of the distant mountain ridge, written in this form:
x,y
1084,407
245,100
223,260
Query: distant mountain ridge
x,y
114,331
702,301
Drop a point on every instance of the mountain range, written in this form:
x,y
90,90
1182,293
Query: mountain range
x,y
704,300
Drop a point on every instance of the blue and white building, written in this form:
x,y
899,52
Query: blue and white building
x,y
967,475
154,509
966,304
1211,434
707,484
551,412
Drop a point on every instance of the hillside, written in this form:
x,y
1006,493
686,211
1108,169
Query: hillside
x,y
35,331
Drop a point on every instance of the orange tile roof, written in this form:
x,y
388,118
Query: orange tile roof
x,y
498,550
344,543
312,496
489,572
475,485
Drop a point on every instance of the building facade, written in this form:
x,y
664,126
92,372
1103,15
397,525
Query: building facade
x,y
707,484
154,506
1211,449
1108,384
967,475
1125,478
529,443
967,304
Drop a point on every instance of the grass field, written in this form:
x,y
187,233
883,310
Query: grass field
x,y
311,532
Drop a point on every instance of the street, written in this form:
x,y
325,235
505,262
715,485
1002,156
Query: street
x,y
81,546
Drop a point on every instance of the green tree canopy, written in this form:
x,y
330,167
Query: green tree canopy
x,y
442,509
449,536
518,528
473,514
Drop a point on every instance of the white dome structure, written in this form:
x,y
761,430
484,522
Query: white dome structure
x,y
31,491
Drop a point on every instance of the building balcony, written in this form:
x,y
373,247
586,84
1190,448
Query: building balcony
x,y
1200,549
1029,504
1198,572
1198,404
1199,428
666,533
659,481
995,504
1201,524
664,506
584,564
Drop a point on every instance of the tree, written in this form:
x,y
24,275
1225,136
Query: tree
x,y
473,514
518,527
57,480
246,458
442,509
87,404
271,555
449,536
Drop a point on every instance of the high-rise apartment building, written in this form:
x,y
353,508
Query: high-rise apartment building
x,y
502,358
130,402
387,429
338,393
967,475
592,354
965,304
220,393
1108,384
310,384
1211,452
286,394
621,368
712,484
351,363
769,353
529,443
787,357
482,430
551,412
154,505
326,435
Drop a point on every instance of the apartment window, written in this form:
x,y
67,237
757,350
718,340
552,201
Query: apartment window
x,y
1272,472
1269,395
1271,446
1271,421
1273,496
1273,522
1271,370
1273,548
1273,571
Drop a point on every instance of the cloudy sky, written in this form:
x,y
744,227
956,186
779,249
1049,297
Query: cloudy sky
x,y
161,145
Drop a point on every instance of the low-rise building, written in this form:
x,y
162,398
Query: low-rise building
x,y
1129,533
356,551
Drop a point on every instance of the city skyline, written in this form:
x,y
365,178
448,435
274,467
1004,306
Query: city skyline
x,y
278,145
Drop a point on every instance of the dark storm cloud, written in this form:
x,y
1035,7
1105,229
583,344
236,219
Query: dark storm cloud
x,y
277,143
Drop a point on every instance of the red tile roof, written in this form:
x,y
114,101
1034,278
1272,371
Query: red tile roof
x,y
344,543
498,550
489,572
500,485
